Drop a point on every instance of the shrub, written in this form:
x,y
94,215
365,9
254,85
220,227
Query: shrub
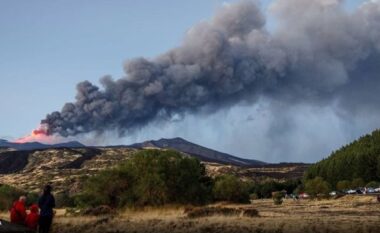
x,y
357,183
63,199
31,198
253,196
373,184
8,195
317,186
230,188
343,185
277,198
250,213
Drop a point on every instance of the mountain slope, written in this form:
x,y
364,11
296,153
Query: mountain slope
x,y
37,145
359,159
201,152
65,168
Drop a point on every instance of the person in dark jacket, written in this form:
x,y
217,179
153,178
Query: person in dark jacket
x,y
46,203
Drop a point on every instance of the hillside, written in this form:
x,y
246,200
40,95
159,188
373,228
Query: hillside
x,y
66,167
359,159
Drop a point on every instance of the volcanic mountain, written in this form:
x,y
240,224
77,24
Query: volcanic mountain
x,y
179,144
201,152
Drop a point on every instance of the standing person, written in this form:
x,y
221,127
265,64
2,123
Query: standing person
x,y
32,219
46,203
18,211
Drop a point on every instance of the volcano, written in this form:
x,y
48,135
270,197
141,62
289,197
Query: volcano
x,y
201,152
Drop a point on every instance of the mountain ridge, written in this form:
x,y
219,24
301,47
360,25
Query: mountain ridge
x,y
202,152
37,145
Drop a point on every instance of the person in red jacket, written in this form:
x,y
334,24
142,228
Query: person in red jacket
x,y
32,219
18,211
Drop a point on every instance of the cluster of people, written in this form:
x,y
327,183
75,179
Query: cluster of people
x,y
40,216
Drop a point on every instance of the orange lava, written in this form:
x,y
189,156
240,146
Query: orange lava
x,y
38,135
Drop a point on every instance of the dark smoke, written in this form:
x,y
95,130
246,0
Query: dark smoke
x,y
319,54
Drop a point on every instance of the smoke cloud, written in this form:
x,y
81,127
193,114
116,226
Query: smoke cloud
x,y
318,55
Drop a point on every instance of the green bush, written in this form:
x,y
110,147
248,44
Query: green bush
x,y
63,199
8,195
343,185
373,184
253,196
31,198
357,183
277,198
317,187
150,177
230,188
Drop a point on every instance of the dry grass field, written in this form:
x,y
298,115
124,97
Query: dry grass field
x,y
352,214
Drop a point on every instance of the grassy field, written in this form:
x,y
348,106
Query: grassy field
x,y
347,214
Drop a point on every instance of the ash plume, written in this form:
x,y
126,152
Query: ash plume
x,y
319,54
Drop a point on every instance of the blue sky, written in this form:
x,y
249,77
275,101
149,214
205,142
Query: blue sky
x,y
47,47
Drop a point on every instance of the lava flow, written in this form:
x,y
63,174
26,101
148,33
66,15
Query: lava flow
x,y
38,135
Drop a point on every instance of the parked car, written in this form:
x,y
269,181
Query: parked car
x,y
333,193
371,190
351,191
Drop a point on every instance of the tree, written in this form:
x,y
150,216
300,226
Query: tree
x,y
373,184
343,185
230,188
317,186
359,159
150,177
357,183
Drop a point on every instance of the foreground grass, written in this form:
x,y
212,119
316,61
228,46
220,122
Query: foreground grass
x,y
348,214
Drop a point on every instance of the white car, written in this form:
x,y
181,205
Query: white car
x,y
351,191
333,193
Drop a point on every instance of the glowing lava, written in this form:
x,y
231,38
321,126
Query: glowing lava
x,y
38,135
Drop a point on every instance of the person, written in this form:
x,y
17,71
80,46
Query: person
x,y
18,211
32,219
46,203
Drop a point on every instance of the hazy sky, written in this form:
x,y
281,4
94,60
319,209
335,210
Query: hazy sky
x,y
47,47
